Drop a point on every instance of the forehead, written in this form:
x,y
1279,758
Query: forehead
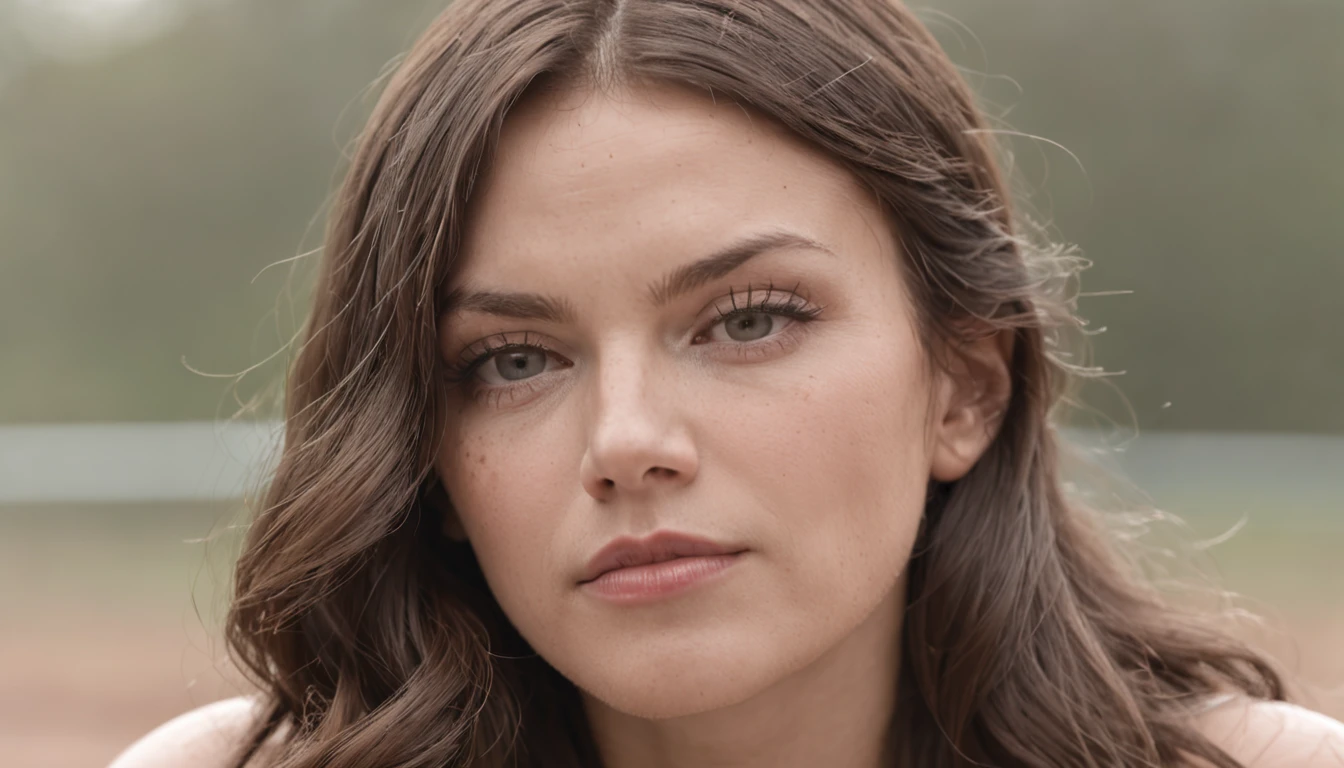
x,y
660,171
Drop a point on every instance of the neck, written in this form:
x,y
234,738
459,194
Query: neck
x,y
836,711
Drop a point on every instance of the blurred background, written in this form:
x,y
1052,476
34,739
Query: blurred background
x,y
157,155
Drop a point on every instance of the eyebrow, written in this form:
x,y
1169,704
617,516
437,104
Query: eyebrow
x,y
678,282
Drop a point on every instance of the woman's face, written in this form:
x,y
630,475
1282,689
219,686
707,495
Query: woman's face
x,y
795,432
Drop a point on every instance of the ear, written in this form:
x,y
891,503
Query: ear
x,y
973,397
436,496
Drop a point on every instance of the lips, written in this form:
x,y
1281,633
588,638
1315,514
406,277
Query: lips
x,y
627,552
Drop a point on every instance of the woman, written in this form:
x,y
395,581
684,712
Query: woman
x,y
676,393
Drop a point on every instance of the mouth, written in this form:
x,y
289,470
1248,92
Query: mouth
x,y
660,547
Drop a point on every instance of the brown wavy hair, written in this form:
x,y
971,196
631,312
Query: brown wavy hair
x,y
1027,640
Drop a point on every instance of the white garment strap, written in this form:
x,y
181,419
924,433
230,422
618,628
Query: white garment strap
x,y
1213,702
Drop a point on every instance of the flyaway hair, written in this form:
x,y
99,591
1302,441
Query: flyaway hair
x,y
374,639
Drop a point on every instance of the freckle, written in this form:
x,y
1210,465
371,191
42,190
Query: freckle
x,y
481,460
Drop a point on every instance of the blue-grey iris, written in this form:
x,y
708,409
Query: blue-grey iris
x,y
520,365
749,327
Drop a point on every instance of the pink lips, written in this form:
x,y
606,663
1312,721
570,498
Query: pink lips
x,y
635,570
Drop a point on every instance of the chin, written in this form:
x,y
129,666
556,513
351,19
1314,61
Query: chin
x,y
676,677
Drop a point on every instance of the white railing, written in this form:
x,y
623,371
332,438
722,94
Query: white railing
x,y
168,461
191,461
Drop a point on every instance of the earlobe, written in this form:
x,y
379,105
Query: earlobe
x,y
976,395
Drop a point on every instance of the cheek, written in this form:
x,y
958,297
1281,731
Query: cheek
x,y
878,453
841,460
504,489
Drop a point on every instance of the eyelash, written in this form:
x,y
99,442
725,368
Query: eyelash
x,y
795,307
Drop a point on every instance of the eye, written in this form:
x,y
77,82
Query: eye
x,y
749,325
761,319
500,361
515,365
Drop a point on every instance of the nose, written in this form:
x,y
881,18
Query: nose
x,y
638,438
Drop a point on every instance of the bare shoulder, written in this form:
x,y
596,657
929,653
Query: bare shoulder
x,y
1275,733
206,737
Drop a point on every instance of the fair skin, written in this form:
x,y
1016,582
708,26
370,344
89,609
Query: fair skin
x,y
805,444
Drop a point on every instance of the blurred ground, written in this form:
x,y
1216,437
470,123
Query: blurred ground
x,y
102,636
110,617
